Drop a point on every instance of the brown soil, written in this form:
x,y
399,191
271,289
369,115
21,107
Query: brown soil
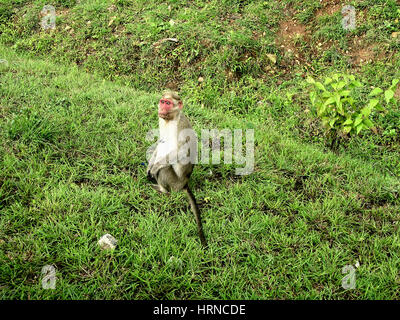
x,y
288,32
62,12
329,9
397,92
362,53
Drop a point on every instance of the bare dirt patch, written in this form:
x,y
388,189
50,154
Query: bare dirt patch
x,y
330,7
289,32
361,53
328,10
397,92
62,12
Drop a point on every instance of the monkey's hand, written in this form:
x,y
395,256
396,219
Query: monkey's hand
x,y
152,160
156,167
151,178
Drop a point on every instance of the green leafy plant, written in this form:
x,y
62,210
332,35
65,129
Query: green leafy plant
x,y
342,110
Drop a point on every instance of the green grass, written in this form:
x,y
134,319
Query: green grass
x,y
72,147
75,107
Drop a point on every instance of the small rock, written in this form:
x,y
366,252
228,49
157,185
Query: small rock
x,y
107,242
201,79
395,34
357,264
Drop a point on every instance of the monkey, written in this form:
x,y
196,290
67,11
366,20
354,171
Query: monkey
x,y
169,168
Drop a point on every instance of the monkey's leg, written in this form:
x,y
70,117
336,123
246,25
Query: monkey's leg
x,y
197,216
159,189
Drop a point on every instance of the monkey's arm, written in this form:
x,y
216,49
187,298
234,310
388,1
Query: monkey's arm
x,y
164,162
151,161
151,172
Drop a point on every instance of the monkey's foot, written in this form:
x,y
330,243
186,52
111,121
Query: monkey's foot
x,y
159,189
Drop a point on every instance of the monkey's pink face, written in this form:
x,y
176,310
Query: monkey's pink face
x,y
166,108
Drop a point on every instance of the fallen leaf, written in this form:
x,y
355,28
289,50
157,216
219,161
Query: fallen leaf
x,y
272,57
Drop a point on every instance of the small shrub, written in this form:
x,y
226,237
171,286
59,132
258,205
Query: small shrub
x,y
341,110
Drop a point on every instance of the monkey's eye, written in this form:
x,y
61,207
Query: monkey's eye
x,y
168,103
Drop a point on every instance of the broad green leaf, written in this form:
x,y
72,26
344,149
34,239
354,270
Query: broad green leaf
x,y
321,110
344,93
388,95
328,81
355,84
340,85
313,97
349,100
310,80
332,122
372,103
347,129
326,94
339,104
366,111
375,92
325,121
359,128
320,86
348,121
394,83
368,123
340,108
357,121
331,100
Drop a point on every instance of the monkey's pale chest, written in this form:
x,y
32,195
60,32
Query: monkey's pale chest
x,y
168,139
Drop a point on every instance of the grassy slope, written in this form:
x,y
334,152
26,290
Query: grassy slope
x,y
71,171
72,148
227,43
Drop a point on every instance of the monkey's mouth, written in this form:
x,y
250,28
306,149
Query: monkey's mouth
x,y
164,116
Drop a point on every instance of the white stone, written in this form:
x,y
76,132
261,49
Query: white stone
x,y
107,242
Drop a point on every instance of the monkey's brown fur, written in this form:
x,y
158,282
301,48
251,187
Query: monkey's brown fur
x,y
174,176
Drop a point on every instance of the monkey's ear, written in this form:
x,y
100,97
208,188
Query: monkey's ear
x,y
180,104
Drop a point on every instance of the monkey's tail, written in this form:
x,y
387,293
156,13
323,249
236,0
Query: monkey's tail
x,y
196,211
